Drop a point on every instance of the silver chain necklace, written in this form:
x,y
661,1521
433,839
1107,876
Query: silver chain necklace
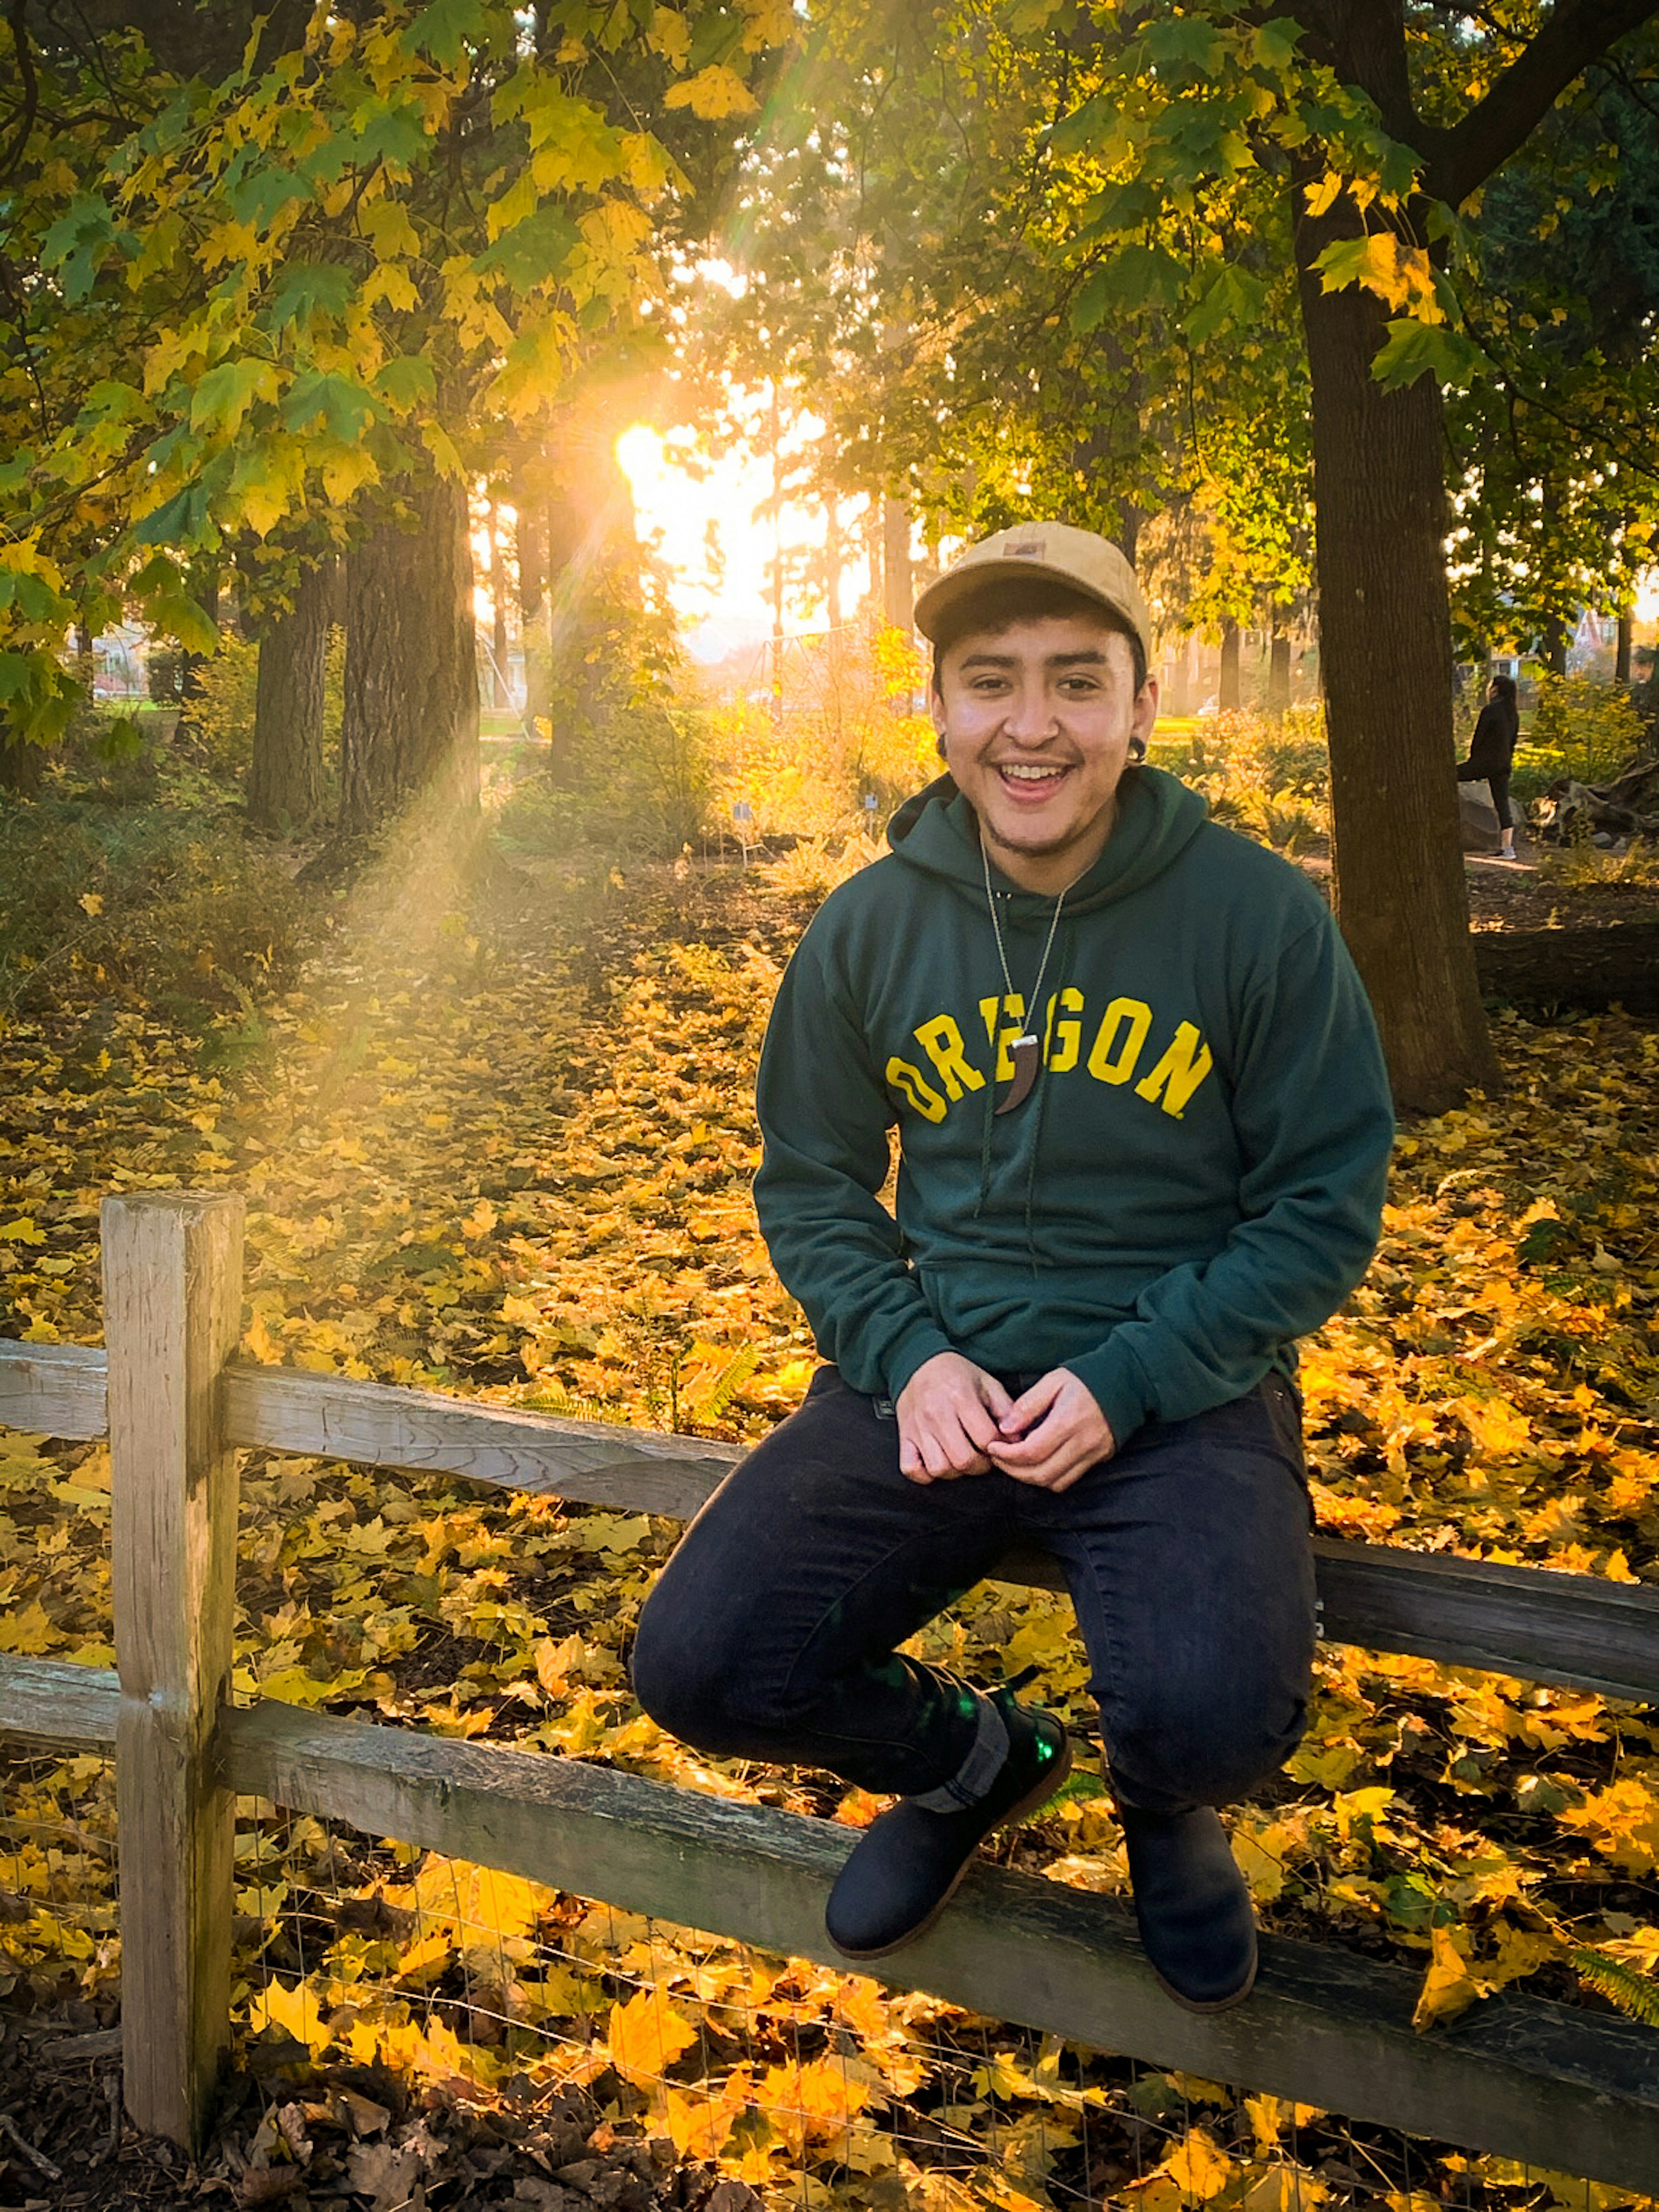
x,y
1026,1050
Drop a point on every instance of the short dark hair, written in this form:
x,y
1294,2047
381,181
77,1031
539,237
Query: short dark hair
x,y
1001,602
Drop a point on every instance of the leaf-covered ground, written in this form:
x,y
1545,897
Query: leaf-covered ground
x,y
502,1144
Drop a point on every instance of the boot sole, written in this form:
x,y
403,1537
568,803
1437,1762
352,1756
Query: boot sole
x,y
1209,2004
1031,1803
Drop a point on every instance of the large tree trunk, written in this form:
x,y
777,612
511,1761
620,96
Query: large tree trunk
x,y
1230,694
576,538
410,728
1385,639
285,780
205,588
21,764
498,687
535,608
1279,673
895,593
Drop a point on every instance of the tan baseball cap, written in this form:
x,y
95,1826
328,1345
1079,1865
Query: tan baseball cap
x,y
1082,558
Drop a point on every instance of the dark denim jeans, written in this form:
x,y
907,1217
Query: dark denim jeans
x,y
771,1634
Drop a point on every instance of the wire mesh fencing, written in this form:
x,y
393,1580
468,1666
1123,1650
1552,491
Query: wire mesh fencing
x,y
60,1944
686,2063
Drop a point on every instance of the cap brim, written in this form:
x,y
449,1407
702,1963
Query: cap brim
x,y
956,583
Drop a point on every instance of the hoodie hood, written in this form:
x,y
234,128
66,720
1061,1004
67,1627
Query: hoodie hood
x,y
937,832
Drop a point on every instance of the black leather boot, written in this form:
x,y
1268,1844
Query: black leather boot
x,y
905,1866
1193,1906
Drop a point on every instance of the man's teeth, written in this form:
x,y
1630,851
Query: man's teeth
x,y
1028,773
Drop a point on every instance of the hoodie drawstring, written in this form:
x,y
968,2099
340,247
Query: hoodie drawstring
x,y
1039,1118
1042,1088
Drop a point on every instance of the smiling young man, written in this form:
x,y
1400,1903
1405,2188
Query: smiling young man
x,y
1143,1129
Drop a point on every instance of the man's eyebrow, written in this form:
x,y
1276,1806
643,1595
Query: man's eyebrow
x,y
1090,657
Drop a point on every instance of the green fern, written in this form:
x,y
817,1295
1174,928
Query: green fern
x,y
574,1409
710,1404
1621,1986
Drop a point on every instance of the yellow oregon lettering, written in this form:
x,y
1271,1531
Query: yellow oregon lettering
x,y
941,1040
1179,1074
1062,1041
916,1088
1109,1061
989,1008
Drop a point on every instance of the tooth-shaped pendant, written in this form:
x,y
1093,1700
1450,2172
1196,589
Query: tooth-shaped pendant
x,y
1024,1051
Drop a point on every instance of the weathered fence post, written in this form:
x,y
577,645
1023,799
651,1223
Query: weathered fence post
x,y
172,1270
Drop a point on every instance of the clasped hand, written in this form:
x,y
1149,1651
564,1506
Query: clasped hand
x,y
954,1419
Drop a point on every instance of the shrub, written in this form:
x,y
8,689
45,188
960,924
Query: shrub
x,y
172,909
817,866
164,674
222,713
1587,867
849,735
1581,729
221,709
1268,777
651,801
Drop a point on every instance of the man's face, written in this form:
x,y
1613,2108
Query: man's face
x,y
1038,722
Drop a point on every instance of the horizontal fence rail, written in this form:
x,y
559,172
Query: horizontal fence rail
x,y
1552,2086
1575,1632
55,1389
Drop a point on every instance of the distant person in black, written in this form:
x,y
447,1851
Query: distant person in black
x,y
1492,754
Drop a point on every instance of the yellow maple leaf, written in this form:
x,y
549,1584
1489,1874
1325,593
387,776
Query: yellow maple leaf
x,y
670,35
1285,2189
296,2010
1199,2168
1323,195
1328,1764
425,1961
1263,1855
1448,1988
1622,1821
482,1219
472,1901
863,2009
646,2036
1495,1424
1521,1951
555,1662
29,1631
811,2102
1360,1809
697,2128
1268,2116
714,93
767,23
347,471
442,2057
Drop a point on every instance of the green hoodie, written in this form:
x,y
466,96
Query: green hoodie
x,y
1197,1178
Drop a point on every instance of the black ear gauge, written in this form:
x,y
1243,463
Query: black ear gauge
x,y
938,745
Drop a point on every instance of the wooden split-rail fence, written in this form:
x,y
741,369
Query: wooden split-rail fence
x,y
1541,2083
